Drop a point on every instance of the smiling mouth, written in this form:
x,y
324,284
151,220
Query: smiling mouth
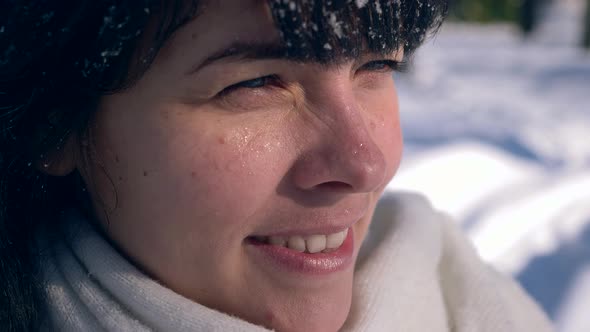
x,y
312,244
303,255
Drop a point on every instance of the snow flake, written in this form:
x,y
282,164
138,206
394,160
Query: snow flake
x,y
361,3
378,8
46,17
336,25
110,53
8,53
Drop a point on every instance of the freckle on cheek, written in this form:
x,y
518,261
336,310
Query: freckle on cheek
x,y
221,140
116,158
269,317
145,173
193,174
120,178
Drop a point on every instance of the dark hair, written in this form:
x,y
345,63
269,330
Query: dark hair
x,y
57,58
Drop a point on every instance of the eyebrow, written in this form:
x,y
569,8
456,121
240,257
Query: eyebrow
x,y
247,51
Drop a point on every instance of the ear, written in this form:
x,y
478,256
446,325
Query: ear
x,y
61,160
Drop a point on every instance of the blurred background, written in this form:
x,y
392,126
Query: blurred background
x,y
496,116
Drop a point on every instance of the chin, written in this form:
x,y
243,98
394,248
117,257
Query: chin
x,y
322,320
322,310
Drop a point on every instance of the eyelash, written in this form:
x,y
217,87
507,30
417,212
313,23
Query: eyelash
x,y
396,66
245,84
390,65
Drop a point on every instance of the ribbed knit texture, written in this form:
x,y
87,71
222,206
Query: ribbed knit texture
x,y
415,273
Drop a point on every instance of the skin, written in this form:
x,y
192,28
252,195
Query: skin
x,y
182,173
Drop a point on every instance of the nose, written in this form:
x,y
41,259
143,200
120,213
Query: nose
x,y
341,154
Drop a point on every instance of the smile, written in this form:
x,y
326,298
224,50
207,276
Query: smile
x,y
318,254
312,244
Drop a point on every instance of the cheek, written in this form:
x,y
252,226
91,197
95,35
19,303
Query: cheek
x,y
178,168
231,172
384,124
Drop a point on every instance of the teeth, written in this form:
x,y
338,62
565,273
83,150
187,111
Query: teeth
x,y
296,243
277,241
315,243
311,244
334,241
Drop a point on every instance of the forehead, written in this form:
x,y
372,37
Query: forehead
x,y
308,30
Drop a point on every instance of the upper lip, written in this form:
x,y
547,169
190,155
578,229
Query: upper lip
x,y
315,222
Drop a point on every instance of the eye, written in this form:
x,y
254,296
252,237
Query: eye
x,y
384,66
256,83
268,92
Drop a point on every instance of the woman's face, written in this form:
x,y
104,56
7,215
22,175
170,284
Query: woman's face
x,y
223,147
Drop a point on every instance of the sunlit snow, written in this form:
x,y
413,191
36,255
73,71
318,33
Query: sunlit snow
x,y
497,132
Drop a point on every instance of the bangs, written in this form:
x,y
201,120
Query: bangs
x,y
327,31
97,47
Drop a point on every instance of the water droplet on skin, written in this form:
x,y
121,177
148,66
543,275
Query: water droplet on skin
x,y
268,146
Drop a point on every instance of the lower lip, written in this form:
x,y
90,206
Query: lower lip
x,y
305,263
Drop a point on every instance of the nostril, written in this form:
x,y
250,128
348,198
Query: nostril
x,y
336,186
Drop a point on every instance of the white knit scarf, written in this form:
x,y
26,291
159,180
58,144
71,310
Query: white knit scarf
x,y
415,273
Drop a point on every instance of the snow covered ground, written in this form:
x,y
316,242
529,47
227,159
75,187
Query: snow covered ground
x,y
497,132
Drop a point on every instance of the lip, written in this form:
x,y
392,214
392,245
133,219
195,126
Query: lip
x,y
327,222
301,263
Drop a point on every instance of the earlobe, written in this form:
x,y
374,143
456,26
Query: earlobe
x,y
61,160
